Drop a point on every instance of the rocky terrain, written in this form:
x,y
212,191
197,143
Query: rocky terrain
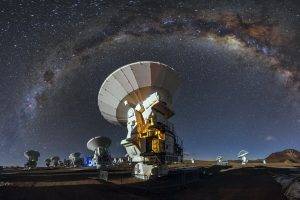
x,y
285,156
277,179
200,180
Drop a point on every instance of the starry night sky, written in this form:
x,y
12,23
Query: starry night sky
x,y
239,62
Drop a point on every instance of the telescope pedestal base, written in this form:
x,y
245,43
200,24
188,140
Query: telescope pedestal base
x,y
147,171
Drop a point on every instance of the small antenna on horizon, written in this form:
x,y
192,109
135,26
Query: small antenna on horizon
x,y
75,159
32,158
99,145
219,160
47,162
242,155
54,161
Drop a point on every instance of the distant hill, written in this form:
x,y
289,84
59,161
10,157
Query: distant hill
x,y
286,156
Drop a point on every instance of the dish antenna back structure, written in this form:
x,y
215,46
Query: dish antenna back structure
x,y
242,155
139,97
75,159
32,158
99,145
48,162
54,161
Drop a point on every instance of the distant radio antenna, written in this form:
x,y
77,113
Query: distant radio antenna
x,y
99,145
54,161
219,160
75,159
242,155
67,162
32,158
48,162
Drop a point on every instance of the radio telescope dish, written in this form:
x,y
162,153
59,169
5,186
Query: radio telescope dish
x,y
99,141
219,159
99,145
32,155
139,96
54,158
132,84
75,155
48,162
75,159
242,155
32,158
54,161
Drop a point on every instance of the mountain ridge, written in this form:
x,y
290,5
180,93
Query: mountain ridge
x,y
287,156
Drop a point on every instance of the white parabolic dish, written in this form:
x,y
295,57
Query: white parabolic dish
x,y
134,83
219,157
242,153
99,141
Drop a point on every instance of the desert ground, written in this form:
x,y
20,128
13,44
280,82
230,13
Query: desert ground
x,y
199,180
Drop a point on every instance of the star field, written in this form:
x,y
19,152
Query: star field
x,y
239,64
